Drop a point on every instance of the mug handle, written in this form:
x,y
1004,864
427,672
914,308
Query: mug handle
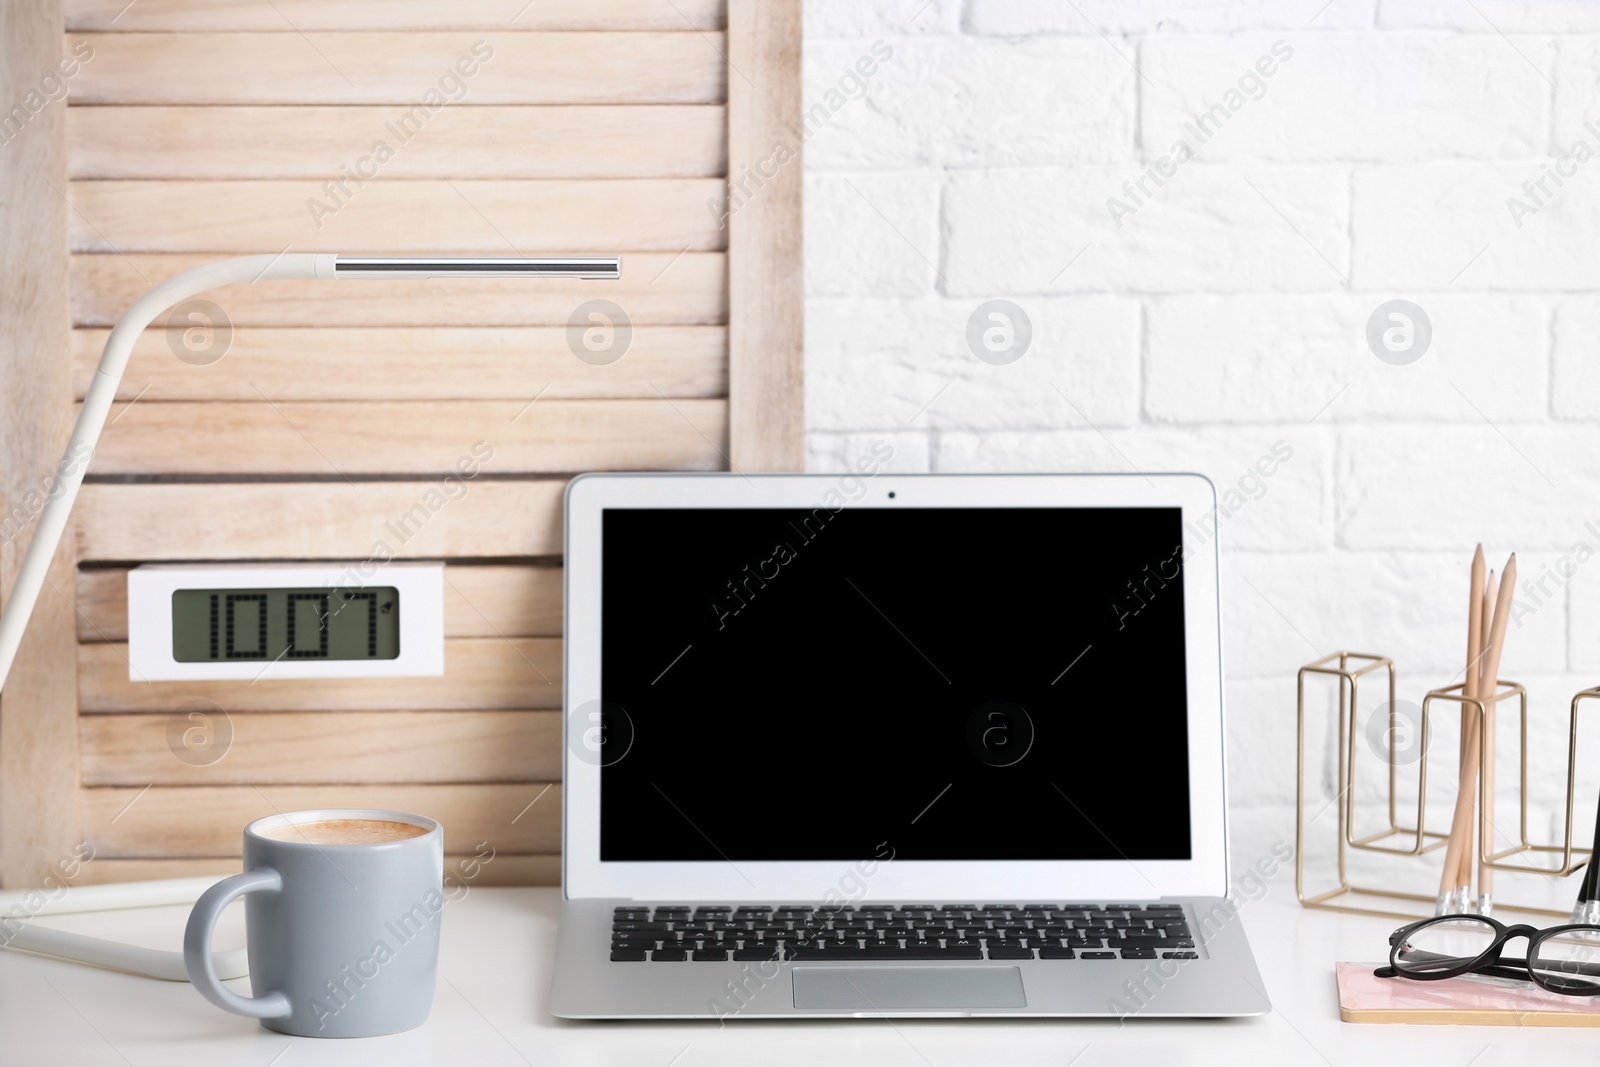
x,y
197,945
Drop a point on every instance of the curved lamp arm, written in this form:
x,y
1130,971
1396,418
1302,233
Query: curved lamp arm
x,y
114,360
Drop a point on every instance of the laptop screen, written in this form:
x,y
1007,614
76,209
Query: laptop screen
x,y
966,683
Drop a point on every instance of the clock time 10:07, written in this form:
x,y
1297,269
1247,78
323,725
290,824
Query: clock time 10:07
x,y
210,625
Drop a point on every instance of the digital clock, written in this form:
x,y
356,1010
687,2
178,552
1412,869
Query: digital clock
x,y
300,620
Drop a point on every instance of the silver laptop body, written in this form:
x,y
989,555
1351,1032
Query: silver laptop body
x,y
880,745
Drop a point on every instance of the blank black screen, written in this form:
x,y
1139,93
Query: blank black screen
x,y
954,684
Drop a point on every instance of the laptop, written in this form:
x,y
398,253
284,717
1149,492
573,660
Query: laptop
x,y
879,745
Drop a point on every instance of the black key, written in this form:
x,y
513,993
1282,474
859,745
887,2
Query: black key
x,y
1180,955
1138,953
1052,952
876,950
635,940
674,955
934,952
641,927
630,915
627,955
1053,930
1182,942
1009,952
1173,927
1163,907
812,952
1142,936
1098,955
1085,942
719,954
962,942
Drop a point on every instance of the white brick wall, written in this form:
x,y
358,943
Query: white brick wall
x,y
1356,152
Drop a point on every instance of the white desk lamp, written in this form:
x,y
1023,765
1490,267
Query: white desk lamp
x,y
69,477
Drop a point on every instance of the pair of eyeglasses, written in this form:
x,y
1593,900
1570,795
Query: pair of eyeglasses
x,y
1562,959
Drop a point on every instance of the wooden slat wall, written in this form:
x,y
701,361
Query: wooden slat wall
x,y
199,128
383,363
378,437
767,292
136,822
644,141
270,67
645,215
184,521
202,128
192,15
38,714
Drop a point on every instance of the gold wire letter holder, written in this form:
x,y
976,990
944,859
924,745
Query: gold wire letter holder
x,y
1409,836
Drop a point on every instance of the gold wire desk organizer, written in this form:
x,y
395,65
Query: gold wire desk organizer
x,y
1397,838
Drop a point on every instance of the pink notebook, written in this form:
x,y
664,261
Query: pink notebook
x,y
1482,1002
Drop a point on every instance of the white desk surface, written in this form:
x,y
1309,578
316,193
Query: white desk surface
x,y
495,974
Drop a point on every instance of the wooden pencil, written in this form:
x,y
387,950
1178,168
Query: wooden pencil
x,y
1475,626
1474,743
1489,684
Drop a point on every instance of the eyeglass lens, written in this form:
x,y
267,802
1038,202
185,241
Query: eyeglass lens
x,y
1444,946
1569,962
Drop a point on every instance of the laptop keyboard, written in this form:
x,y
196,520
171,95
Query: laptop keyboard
x,y
911,932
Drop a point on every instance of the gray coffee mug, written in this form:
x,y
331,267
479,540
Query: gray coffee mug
x,y
343,939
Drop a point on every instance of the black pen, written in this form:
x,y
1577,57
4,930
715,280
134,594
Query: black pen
x,y
1587,909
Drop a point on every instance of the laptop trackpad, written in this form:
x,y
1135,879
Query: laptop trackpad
x,y
897,988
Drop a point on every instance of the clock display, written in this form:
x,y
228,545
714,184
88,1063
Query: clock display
x,y
289,624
